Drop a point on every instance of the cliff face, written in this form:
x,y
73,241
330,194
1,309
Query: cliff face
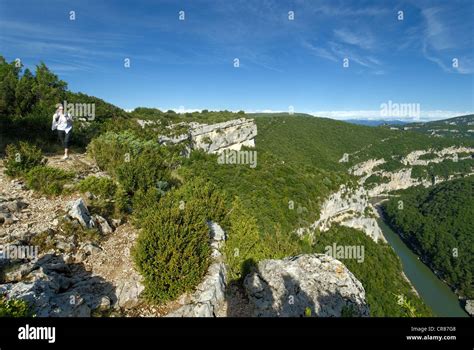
x,y
306,285
215,138
351,206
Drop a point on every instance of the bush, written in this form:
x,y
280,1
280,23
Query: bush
x,y
14,308
47,180
172,251
20,159
102,187
245,245
112,149
144,171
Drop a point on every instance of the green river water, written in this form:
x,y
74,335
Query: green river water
x,y
435,293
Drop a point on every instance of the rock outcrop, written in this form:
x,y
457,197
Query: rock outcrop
x,y
469,307
315,284
215,138
56,289
348,207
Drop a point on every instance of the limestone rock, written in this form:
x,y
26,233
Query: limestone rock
x,y
78,210
102,224
470,307
316,283
215,138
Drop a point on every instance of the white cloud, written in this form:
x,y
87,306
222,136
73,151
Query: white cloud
x,y
362,40
376,115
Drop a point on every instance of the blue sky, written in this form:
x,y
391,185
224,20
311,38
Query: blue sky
x,y
283,62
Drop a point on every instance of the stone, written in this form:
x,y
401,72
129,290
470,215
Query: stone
x,y
128,293
78,210
470,307
102,224
216,231
215,138
105,303
313,283
90,248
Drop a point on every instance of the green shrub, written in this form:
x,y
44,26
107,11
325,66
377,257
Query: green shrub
x,y
122,202
143,203
48,180
112,149
144,171
20,159
172,251
99,186
14,307
104,190
245,245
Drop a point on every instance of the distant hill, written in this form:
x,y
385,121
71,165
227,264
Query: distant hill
x,y
378,122
457,127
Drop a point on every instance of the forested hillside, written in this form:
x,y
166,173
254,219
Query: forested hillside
x,y
454,128
437,223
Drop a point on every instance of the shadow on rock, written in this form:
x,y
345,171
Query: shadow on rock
x,y
56,289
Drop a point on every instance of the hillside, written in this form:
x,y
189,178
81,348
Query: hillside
x,y
437,223
455,128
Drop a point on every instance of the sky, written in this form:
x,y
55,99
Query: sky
x,y
339,59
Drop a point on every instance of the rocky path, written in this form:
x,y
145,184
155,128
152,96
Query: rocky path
x,y
96,277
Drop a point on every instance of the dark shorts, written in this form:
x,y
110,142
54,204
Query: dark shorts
x,y
65,138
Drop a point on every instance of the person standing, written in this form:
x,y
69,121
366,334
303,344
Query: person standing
x,y
63,123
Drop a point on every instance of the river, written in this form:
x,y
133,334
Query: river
x,y
434,292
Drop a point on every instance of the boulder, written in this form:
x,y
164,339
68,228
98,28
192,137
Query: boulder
x,y
470,307
312,284
78,210
102,224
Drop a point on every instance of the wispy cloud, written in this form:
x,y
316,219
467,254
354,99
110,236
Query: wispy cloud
x,y
362,40
445,39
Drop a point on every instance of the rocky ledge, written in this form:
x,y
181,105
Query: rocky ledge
x,y
305,285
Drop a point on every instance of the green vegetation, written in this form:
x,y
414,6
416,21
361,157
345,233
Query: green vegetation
x,y
22,158
453,128
26,160
173,250
443,169
106,196
102,187
14,307
437,223
48,180
28,102
246,245
380,273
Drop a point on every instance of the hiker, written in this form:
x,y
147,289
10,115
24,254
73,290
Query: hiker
x,y
63,123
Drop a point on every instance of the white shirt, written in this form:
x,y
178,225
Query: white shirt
x,y
62,121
